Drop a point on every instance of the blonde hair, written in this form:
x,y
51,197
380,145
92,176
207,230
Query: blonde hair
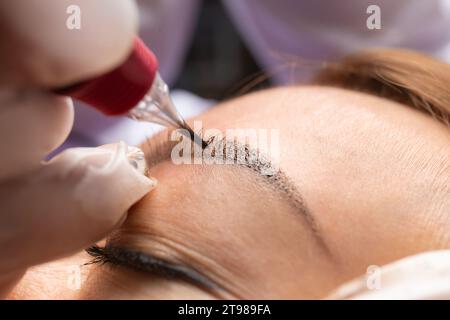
x,y
408,77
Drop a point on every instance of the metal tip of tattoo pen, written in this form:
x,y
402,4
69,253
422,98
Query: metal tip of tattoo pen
x,y
157,107
193,136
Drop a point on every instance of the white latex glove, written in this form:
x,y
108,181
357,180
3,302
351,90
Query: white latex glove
x,y
48,210
422,276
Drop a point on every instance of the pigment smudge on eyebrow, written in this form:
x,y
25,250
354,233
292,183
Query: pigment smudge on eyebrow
x,y
280,183
245,156
241,155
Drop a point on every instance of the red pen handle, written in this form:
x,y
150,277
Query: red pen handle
x,y
121,89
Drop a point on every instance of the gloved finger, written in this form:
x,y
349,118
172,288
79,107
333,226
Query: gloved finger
x,y
32,123
73,201
39,49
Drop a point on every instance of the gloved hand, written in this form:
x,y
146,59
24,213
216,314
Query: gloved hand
x,y
52,209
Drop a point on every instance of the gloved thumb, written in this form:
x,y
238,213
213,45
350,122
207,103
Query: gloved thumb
x,y
66,205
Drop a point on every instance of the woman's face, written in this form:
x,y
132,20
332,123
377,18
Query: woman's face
x,y
362,181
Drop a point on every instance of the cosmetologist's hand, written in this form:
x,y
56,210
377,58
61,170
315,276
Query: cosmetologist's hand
x,y
52,209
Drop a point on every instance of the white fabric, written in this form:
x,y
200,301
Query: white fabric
x,y
277,30
324,29
167,27
421,276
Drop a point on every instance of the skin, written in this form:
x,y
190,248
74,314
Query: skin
x,y
374,175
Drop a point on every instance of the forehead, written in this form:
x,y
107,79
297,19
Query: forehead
x,y
320,123
335,143
353,156
349,154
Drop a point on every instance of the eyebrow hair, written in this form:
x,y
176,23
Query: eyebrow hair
x,y
159,148
148,263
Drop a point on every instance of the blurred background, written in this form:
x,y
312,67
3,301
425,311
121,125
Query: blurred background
x,y
211,50
218,63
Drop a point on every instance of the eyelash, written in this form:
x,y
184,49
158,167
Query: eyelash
x,y
116,256
98,255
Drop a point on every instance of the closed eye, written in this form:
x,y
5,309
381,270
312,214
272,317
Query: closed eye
x,y
150,264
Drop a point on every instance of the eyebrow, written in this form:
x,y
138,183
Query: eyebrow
x,y
159,148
